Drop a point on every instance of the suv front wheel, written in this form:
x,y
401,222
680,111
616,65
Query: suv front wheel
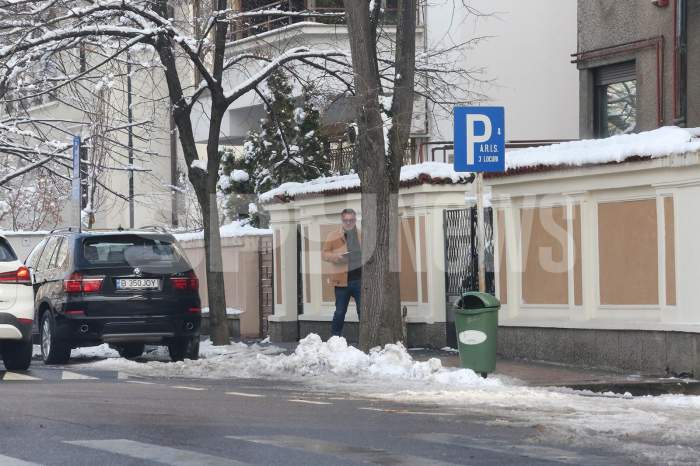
x,y
53,351
17,355
184,348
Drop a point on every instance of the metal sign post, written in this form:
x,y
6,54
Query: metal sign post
x,y
480,145
75,184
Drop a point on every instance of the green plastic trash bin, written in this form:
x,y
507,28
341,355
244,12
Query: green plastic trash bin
x,y
476,323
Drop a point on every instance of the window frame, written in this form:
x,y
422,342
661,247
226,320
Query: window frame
x,y
603,77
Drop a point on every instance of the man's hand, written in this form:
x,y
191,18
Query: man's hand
x,y
340,258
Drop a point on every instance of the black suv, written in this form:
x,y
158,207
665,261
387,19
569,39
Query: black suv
x,y
125,288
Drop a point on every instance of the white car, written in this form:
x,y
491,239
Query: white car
x,y
16,310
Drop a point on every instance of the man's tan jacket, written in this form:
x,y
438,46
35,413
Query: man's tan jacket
x,y
335,244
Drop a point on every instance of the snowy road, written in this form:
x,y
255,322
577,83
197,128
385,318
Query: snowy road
x,y
654,430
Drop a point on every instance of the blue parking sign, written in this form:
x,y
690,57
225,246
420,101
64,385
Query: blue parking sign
x,y
480,139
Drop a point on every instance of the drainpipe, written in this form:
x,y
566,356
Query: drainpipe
x,y
680,68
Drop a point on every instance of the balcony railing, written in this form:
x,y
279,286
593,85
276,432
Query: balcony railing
x,y
344,158
248,26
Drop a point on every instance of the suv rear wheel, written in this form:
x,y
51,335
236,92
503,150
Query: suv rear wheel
x,y
184,348
17,355
53,351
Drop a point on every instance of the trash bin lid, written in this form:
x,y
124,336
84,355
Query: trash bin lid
x,y
474,302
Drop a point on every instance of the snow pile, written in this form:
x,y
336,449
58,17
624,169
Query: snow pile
x,y
661,142
200,164
230,230
426,171
328,362
229,311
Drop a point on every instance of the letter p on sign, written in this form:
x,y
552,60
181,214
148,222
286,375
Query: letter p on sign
x,y
479,139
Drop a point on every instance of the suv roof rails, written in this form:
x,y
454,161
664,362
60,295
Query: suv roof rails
x,y
154,227
56,230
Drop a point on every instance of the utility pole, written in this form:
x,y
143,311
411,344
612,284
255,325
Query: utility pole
x,y
130,118
480,233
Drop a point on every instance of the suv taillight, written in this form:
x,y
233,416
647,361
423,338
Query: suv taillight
x,y
20,276
75,283
189,283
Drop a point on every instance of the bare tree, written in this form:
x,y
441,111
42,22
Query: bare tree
x,y
189,40
380,161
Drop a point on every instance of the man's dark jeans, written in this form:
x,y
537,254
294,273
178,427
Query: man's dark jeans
x,y
342,299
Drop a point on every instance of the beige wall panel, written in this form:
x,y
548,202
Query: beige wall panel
x,y
628,253
328,292
407,251
578,281
670,228
423,259
545,269
241,278
502,264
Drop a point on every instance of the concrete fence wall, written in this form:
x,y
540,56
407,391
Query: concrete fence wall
x,y
599,265
241,267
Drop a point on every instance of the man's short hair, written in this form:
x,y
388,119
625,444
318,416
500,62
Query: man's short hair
x,y
349,212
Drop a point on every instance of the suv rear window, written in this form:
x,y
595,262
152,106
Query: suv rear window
x,y
131,251
6,252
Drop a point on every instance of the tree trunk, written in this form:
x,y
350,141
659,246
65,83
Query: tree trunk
x,y
204,183
216,288
379,178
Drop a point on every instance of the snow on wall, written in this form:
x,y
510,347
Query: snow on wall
x,y
436,172
230,230
661,142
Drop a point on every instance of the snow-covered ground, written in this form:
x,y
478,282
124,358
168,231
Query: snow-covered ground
x,y
657,429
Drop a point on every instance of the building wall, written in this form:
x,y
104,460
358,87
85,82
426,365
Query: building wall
x,y
241,259
525,56
522,63
693,63
422,262
625,236
608,23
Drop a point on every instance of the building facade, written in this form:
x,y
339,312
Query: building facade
x,y
636,61
510,59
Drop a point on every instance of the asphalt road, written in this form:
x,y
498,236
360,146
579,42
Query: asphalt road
x,y
77,416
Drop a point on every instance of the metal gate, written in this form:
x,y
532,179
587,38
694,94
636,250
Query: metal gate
x,y
462,257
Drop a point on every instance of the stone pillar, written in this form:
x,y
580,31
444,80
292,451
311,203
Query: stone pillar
x,y
283,324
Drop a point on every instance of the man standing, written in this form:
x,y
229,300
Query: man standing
x,y
342,249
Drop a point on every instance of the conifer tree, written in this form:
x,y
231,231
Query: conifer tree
x,y
288,146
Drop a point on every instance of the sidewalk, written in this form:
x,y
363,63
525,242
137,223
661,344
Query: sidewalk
x,y
544,374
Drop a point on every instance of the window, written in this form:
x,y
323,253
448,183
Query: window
x,y
115,251
33,257
60,259
47,255
6,252
615,99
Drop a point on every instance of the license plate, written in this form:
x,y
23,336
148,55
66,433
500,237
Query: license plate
x,y
138,283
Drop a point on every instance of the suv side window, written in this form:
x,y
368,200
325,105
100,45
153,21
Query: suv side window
x,y
60,258
33,257
47,255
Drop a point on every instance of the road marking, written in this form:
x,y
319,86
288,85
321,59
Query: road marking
x,y
140,382
249,395
183,387
9,461
347,452
536,452
310,402
75,376
16,376
156,453
403,411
